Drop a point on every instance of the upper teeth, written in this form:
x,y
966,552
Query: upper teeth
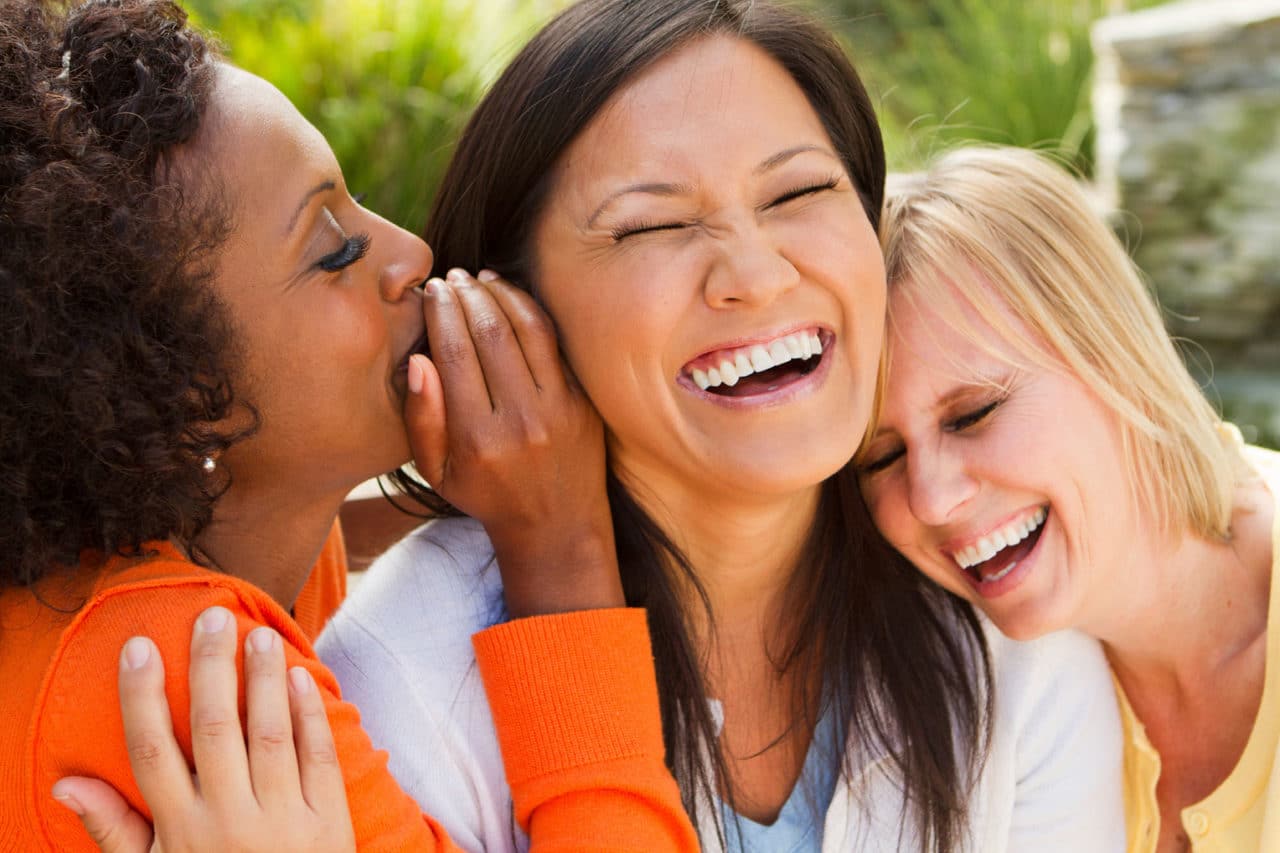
x,y
991,544
756,358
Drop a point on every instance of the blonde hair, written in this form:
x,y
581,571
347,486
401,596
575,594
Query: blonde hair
x,y
984,221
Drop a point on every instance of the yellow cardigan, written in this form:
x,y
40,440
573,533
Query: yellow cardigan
x,y
1243,814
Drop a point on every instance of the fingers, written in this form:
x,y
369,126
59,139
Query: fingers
x,y
273,766
322,785
506,373
159,767
452,350
425,419
533,329
112,825
217,744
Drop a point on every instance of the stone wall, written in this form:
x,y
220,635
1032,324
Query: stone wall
x,y
1187,105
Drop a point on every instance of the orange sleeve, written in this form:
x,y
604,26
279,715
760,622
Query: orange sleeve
x,y
80,731
620,799
575,702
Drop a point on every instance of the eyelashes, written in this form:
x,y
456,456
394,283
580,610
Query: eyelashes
x,y
630,229
800,192
353,249
968,420
973,418
635,227
881,462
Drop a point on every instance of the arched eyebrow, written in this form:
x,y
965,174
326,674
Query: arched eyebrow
x,y
323,187
668,190
658,189
784,156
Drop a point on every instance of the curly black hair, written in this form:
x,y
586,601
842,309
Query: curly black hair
x,y
116,357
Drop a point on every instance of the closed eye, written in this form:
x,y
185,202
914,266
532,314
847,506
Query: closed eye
x,y
971,419
631,229
881,462
353,249
800,192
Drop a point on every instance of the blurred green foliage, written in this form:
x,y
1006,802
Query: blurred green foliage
x,y
1015,72
388,82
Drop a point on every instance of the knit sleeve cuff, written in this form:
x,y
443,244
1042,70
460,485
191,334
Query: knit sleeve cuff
x,y
571,690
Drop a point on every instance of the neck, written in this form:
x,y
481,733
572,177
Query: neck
x,y
1187,611
270,536
742,548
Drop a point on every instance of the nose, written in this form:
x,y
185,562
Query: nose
x,y
938,485
749,270
407,264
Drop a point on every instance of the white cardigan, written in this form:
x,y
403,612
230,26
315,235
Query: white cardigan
x,y
401,649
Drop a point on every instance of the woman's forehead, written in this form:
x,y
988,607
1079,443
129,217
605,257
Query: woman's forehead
x,y
673,122
255,142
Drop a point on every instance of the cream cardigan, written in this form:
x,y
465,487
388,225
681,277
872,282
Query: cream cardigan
x,y
401,650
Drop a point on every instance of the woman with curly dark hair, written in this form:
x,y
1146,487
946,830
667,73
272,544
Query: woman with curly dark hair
x,y
206,344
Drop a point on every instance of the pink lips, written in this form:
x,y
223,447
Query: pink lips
x,y
1015,576
792,388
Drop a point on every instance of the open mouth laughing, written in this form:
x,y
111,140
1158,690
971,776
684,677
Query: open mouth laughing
x,y
994,556
759,368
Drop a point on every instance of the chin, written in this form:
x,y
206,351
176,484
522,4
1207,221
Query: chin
x,y
1027,622
777,479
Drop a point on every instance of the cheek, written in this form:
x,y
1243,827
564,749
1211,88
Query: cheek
x,y
877,498
891,514
853,269
334,347
888,506
612,321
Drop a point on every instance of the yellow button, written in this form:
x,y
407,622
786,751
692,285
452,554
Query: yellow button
x,y
1198,823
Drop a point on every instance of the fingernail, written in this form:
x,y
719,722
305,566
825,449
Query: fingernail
x,y
417,376
213,620
137,651
435,287
458,276
262,640
68,801
300,680
487,275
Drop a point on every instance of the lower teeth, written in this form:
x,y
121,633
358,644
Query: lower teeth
x,y
1000,574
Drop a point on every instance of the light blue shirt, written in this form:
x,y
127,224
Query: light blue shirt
x,y
798,828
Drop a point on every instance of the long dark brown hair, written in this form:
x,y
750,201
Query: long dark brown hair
x,y
904,665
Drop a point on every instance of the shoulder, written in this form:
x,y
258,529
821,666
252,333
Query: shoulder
x,y
75,723
423,599
401,649
1049,675
1052,776
1264,463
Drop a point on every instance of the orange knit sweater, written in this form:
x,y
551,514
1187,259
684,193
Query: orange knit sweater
x,y
573,696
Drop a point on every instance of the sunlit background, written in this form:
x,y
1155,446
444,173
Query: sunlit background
x,y
390,82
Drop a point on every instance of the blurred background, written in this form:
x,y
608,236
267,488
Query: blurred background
x,y
1171,112
390,81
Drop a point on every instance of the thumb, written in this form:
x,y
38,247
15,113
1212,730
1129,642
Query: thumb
x,y
424,419
110,822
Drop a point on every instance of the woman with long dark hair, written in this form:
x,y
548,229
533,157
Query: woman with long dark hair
x,y
206,343
691,190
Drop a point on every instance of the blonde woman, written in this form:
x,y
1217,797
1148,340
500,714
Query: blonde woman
x,y
1043,453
